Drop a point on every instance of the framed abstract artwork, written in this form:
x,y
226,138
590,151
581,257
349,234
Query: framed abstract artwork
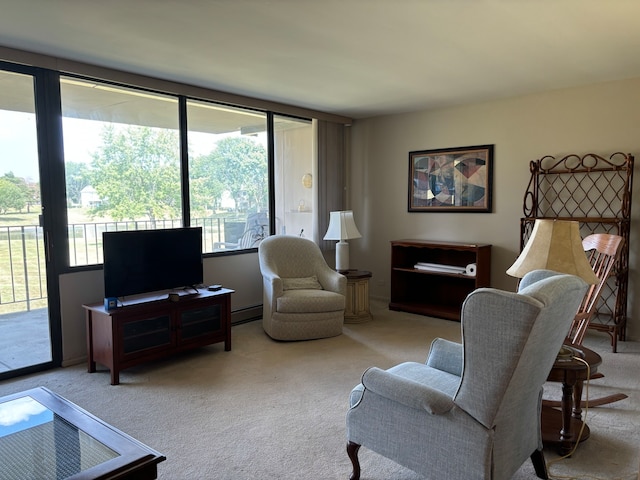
x,y
451,179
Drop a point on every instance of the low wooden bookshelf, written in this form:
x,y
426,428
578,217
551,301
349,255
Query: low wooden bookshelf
x,y
436,292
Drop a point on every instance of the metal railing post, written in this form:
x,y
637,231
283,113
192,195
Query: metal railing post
x,y
25,268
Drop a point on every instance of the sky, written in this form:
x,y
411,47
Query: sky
x,y
18,149
18,153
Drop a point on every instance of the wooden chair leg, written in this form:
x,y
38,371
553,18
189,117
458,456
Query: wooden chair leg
x,y
352,451
539,464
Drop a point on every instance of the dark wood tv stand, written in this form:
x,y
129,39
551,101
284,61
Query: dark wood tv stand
x,y
152,327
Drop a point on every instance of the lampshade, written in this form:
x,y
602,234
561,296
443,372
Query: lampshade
x,y
554,245
342,226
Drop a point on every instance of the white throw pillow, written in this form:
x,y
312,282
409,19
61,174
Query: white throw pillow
x,y
302,283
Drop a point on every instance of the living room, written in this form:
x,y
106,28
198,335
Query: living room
x,y
596,114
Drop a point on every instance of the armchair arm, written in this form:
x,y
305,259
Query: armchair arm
x,y
407,392
446,356
332,280
273,288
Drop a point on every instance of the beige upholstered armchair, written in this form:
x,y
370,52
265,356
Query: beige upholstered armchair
x,y
472,411
303,297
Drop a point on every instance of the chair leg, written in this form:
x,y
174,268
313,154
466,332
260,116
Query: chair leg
x,y
352,451
539,464
593,402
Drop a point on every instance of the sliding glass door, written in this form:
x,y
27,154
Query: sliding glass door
x,y
25,327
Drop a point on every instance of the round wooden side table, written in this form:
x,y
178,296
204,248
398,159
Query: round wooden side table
x,y
560,428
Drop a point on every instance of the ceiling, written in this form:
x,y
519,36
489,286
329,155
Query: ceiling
x,y
356,58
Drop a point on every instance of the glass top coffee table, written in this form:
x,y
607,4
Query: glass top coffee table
x,y
44,436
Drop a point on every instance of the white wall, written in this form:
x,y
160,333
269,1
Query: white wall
x,y
237,272
601,119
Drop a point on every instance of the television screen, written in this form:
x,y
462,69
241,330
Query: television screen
x,y
141,261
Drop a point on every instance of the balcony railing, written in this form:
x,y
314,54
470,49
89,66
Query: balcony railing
x,y
23,284
22,267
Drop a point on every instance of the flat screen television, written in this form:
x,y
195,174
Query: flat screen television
x,y
141,261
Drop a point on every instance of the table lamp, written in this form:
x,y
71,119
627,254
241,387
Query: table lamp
x,y
342,227
554,245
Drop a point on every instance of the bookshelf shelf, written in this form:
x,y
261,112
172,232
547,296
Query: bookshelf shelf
x,y
440,290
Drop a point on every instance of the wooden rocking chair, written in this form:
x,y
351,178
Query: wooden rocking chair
x,y
603,250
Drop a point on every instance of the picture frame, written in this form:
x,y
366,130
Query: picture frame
x,y
458,179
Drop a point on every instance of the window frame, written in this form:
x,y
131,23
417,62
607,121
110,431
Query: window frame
x,y
52,67
183,121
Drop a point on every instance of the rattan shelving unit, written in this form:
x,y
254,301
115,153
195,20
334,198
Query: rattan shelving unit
x,y
596,192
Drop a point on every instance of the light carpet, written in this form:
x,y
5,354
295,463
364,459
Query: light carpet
x,y
276,410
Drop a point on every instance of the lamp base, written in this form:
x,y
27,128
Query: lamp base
x,y
342,256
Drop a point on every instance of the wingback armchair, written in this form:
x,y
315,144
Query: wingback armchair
x,y
472,411
304,298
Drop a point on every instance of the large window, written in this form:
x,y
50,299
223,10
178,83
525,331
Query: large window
x,y
228,175
124,168
122,163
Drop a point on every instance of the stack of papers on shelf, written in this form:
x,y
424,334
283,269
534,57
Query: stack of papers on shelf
x,y
436,267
